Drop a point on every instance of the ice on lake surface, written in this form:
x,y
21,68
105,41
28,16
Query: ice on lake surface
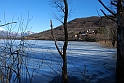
x,y
86,60
98,62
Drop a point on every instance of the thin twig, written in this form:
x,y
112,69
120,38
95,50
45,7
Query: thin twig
x,y
55,39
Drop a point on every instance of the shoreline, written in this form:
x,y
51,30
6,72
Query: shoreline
x,y
104,43
107,43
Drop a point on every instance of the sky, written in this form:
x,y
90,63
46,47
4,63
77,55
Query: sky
x,y
40,12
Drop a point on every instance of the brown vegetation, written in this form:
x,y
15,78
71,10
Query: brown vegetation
x,y
107,43
77,30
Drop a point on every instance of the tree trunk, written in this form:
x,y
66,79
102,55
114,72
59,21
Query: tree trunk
x,y
120,43
64,72
64,68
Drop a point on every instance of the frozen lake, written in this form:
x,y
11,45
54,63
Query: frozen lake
x,y
86,60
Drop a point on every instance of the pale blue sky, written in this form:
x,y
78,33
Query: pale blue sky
x,y
42,12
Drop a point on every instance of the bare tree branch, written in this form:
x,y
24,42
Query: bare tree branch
x,y
59,5
113,3
109,17
107,8
55,39
59,19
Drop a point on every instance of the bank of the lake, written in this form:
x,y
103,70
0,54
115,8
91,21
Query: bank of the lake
x,y
107,43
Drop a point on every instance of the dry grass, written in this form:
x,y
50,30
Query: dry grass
x,y
107,43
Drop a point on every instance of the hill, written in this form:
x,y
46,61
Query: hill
x,y
88,29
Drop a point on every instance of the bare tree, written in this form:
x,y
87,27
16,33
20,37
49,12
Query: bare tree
x,y
13,63
113,34
118,17
62,5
